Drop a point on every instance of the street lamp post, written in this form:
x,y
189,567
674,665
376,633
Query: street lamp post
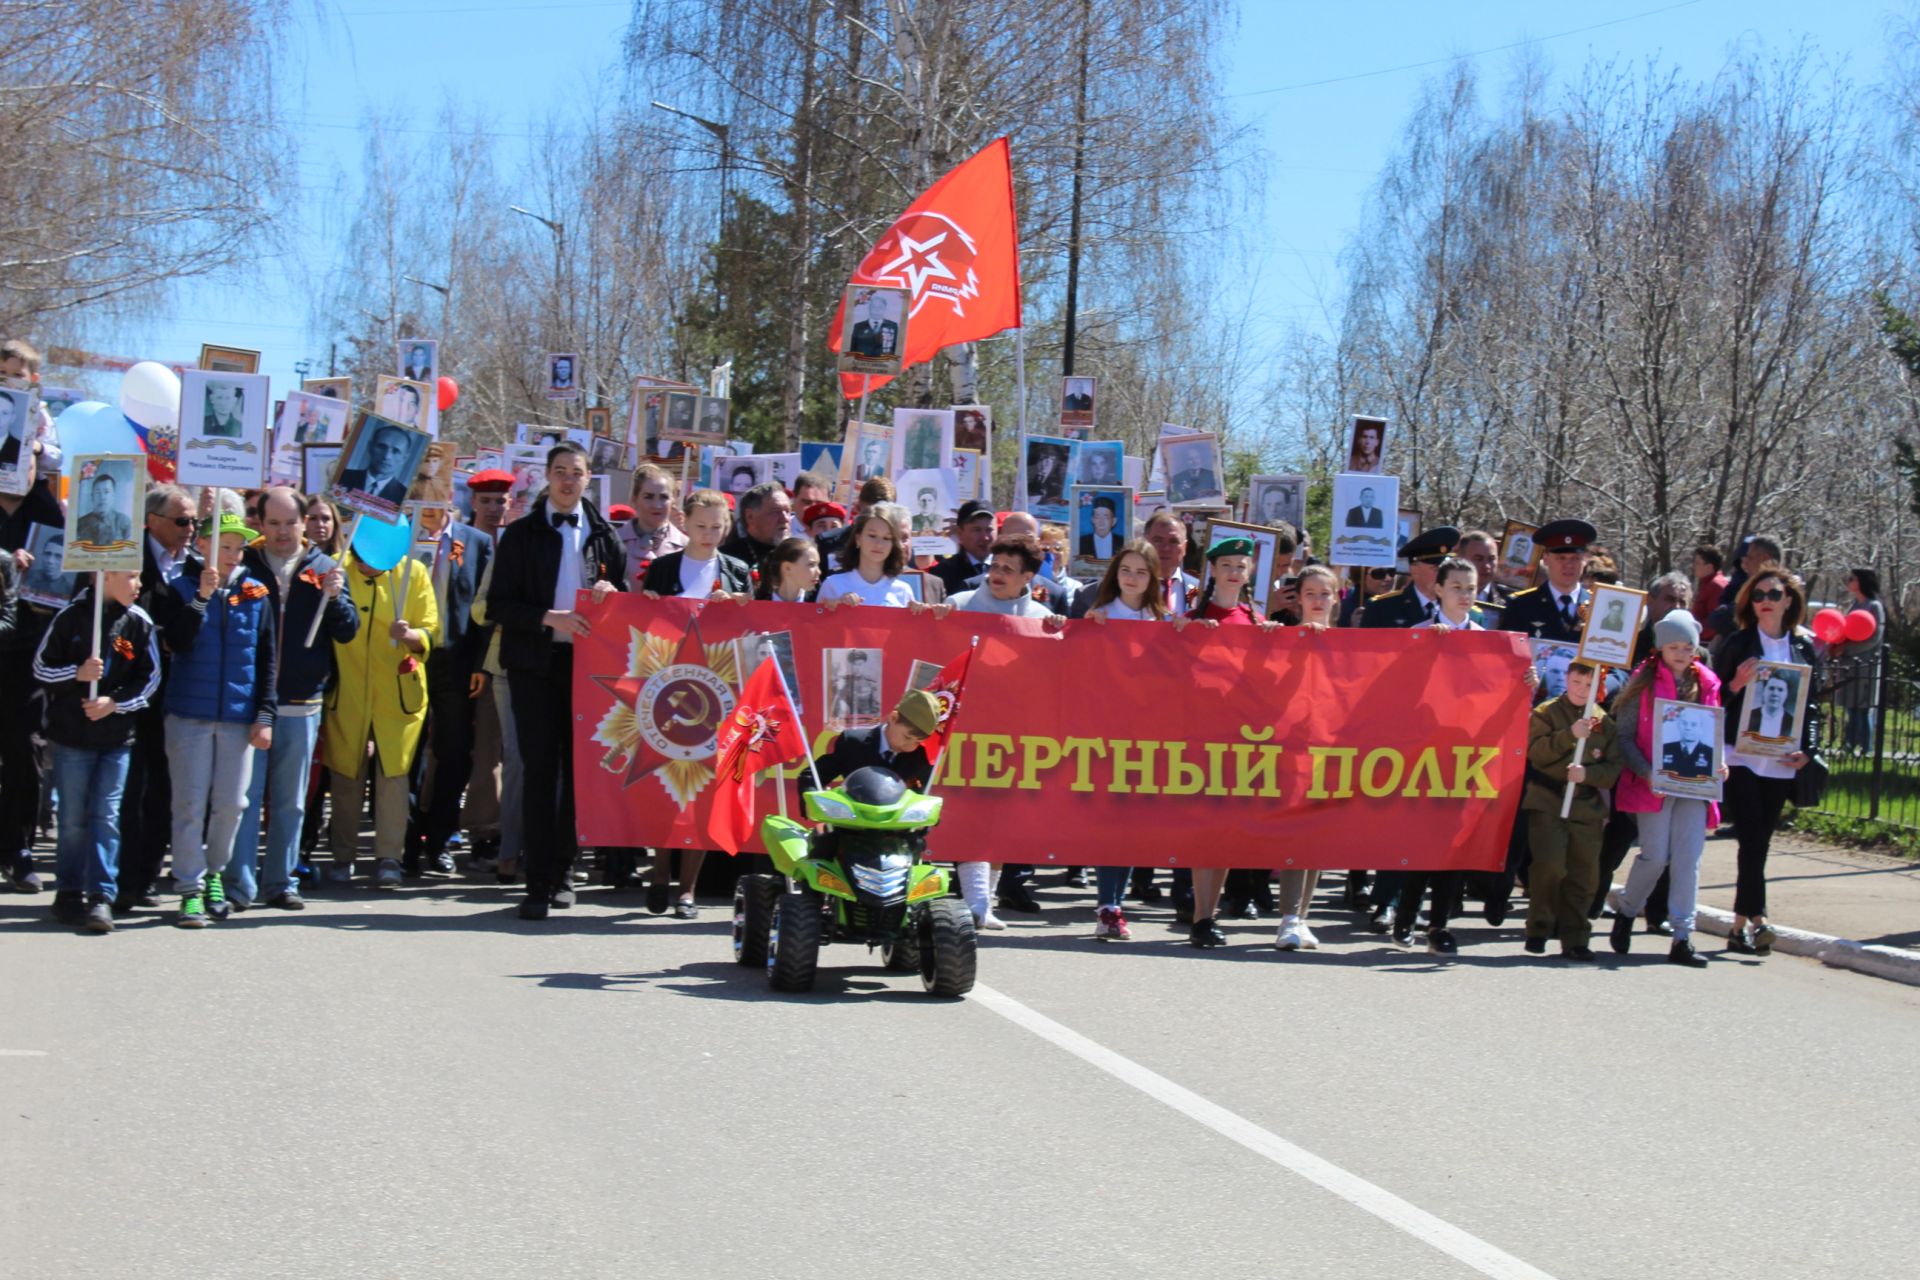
x,y
559,230
724,133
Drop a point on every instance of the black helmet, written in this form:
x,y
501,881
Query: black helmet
x,y
875,786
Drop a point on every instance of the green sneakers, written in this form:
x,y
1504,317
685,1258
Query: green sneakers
x,y
217,905
193,912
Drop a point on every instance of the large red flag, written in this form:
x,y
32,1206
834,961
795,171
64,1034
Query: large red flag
x,y
957,251
763,731
945,689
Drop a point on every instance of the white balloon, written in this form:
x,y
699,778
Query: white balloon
x,y
150,395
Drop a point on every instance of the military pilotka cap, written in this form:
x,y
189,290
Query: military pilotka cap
x,y
920,710
1433,546
1562,535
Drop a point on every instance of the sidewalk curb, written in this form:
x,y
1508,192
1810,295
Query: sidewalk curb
x,y
1897,964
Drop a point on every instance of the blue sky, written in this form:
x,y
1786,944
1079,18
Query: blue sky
x,y
1329,87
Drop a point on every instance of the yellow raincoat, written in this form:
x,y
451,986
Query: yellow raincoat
x,y
370,686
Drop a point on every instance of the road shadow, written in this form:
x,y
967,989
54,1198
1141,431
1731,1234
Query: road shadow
x,y
725,980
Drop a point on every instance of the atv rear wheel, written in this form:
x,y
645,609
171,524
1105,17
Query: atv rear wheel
x,y
793,943
753,899
947,948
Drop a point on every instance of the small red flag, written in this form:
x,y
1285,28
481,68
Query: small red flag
x,y
764,730
956,250
946,689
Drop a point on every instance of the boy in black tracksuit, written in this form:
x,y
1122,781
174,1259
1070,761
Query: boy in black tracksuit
x,y
92,738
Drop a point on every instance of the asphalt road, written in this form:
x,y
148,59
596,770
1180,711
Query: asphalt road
x,y
420,1085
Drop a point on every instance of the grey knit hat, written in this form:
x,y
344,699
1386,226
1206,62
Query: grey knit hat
x,y
1678,625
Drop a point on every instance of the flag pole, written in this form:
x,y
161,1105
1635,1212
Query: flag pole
x,y
860,414
99,590
406,570
1580,745
805,741
933,774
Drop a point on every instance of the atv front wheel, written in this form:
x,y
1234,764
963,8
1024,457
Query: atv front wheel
x,y
947,948
753,899
793,943
902,955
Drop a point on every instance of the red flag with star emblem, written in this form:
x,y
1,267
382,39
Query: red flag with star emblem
x,y
945,689
956,250
763,730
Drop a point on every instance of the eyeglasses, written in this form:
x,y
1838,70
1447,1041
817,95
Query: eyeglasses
x,y
178,522
1775,594
1380,573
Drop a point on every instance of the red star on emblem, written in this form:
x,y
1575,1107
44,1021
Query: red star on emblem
x,y
626,689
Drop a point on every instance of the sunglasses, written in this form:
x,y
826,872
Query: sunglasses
x,y
178,522
1380,573
1775,593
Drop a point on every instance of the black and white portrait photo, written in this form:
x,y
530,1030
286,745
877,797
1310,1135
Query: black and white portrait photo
x,y
972,424
223,429
1076,402
420,360
16,430
45,582
1775,709
922,438
563,375
1363,450
1192,466
377,473
1365,520
755,647
108,493
873,330
852,681
1613,623
1100,462
1687,740
1276,500
1049,473
930,495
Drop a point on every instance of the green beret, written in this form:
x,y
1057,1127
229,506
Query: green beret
x,y
1234,546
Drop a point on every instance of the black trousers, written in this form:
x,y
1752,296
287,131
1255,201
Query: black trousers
x,y
543,726
450,733
1446,887
22,710
1754,803
146,805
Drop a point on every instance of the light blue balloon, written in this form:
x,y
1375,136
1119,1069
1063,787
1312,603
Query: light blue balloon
x,y
379,545
93,427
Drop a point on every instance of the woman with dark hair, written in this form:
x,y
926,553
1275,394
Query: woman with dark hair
x,y
790,572
323,524
871,558
1767,612
1856,664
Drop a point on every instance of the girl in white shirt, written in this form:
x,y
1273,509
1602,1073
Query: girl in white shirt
x,y
871,558
1319,590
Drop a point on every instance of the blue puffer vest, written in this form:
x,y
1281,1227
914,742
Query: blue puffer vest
x,y
218,677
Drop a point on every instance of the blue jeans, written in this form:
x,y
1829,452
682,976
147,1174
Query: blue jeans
x,y
87,786
1112,883
280,786
211,764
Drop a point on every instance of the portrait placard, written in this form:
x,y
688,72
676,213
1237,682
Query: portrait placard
x,y
966,466
1102,523
563,375
600,421
106,515
17,423
1519,553
433,484
408,403
305,418
931,497
1365,443
1406,529
538,434
923,674
1076,402
223,429
1048,471
603,454
45,582
922,439
1266,546
1193,470
783,468
418,360
377,467
873,330
1687,738
736,475
57,400
1613,623
972,427
228,359
340,389
755,647
851,683
1551,658
1274,500
1774,710
866,453
1361,534
1099,462
317,465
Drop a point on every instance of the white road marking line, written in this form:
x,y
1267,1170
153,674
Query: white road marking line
x,y
1355,1190
23,1053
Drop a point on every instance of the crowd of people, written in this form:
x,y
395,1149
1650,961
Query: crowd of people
x,y
260,672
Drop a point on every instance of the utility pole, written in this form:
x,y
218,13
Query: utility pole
x,y
1079,165
559,230
724,132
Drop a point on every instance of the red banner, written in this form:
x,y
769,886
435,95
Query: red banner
x,y
1122,744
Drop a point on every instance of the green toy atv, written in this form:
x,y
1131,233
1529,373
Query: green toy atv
x,y
860,877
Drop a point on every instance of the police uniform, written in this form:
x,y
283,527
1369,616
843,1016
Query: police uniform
x,y
1539,611
1404,608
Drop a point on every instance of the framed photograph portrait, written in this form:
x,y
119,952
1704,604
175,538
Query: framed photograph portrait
x,y
931,496
783,468
408,403
1147,504
1776,708
106,515
600,421
228,359
1266,544
1613,623
1099,462
377,469
715,414
418,360
873,330
563,375
851,679
867,452
750,650
1102,523
1406,528
1048,472
223,429
317,465
603,454
433,484
972,427
1687,738
735,475
17,423
922,439
1276,500
340,389
923,675
680,417
1076,402
967,472
305,418
1364,444
1363,531
538,434
1551,658
45,582
1194,474
1519,553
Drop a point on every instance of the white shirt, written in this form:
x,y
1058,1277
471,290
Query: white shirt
x,y
566,583
889,592
698,577
167,563
1117,610
1771,650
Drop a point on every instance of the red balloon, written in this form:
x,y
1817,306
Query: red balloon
x,y
449,392
1860,626
1830,625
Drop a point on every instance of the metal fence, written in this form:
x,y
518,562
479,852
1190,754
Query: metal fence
x,y
1870,739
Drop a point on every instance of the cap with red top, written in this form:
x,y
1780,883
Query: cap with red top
x,y
492,480
620,511
821,510
1565,535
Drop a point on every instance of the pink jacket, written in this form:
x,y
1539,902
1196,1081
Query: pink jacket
x,y
1634,794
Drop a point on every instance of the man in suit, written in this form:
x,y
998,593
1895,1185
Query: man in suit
x,y
13,419
873,334
384,456
419,365
1689,757
1100,544
559,548
457,563
1047,475
222,417
102,525
561,378
1196,477
973,530
1077,396
1419,600
1552,611
1482,550
1366,515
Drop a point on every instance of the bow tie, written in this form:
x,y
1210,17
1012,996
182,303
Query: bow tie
x,y
571,517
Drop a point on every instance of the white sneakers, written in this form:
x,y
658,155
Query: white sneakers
x,y
989,921
1295,936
